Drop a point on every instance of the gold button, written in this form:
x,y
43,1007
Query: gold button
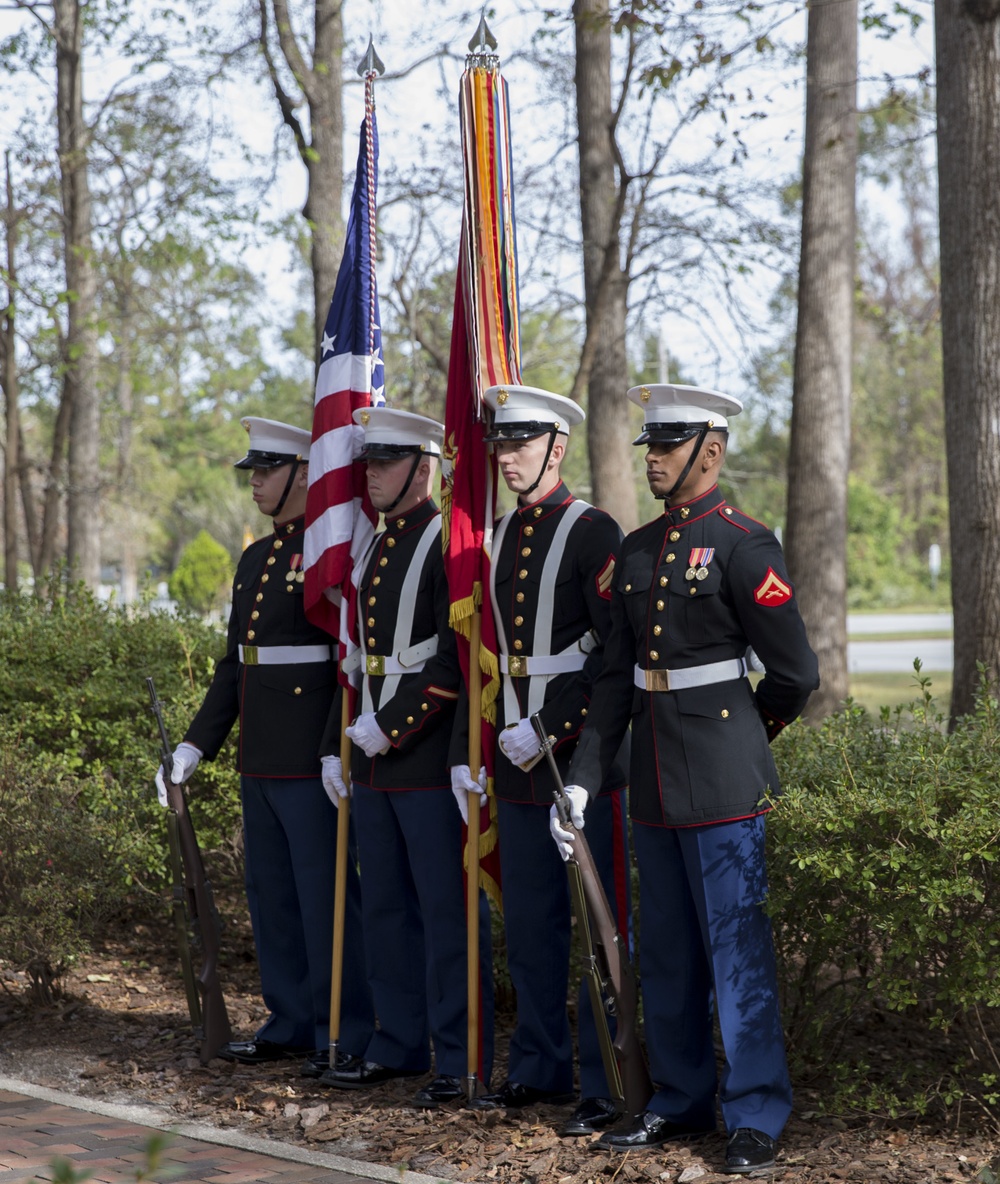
x,y
670,558
383,561
525,552
298,690
519,645
277,544
675,535
425,707
522,574
519,620
685,511
567,725
583,711
394,733
657,630
264,578
371,642
270,560
728,510
371,622
725,713
239,587
654,655
529,531
371,599
659,606
377,580
409,719
628,587
250,635
400,522
663,581
692,591
519,598
260,597
538,511
289,528
390,542
254,615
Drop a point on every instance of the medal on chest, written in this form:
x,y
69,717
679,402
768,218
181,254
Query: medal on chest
x,y
698,562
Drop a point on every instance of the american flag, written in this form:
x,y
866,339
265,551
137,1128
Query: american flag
x,y
340,521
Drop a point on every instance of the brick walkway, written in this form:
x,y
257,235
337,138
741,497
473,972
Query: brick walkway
x,y
38,1125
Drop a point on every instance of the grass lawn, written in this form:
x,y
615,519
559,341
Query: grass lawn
x,y
873,691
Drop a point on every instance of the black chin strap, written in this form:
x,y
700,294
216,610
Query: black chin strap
x,y
406,484
545,465
699,441
288,489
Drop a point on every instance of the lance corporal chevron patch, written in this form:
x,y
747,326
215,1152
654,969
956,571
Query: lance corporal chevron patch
x,y
604,577
772,590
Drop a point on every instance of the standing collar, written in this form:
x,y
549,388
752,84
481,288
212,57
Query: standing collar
x,y
555,498
419,514
291,527
697,507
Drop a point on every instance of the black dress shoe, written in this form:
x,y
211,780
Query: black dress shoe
x,y
362,1074
318,1061
512,1095
648,1130
256,1052
593,1114
442,1089
749,1151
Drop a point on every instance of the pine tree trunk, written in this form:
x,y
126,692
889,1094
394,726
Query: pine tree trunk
x,y
819,458
605,283
968,116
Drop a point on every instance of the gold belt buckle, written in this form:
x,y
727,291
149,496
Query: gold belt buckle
x,y
516,666
375,665
657,680
250,655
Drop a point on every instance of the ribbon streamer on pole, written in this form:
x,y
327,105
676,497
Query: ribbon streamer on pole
x,y
485,351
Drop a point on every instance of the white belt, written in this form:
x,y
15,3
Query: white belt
x,y
283,655
690,676
409,661
549,664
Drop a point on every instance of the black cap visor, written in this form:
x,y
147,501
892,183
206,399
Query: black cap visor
x,y
671,433
527,429
265,460
379,451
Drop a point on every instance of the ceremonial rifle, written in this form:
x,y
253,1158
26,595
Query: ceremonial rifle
x,y
193,902
611,980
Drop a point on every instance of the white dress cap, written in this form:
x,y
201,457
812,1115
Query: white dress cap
x,y
273,443
672,413
520,412
389,432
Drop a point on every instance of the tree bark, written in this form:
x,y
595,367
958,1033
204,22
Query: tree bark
x,y
83,501
605,281
967,34
8,358
819,455
321,149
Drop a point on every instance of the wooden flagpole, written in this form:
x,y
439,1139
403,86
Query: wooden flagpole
x,y
472,850
340,883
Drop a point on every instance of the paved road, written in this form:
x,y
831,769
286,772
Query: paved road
x,y
896,657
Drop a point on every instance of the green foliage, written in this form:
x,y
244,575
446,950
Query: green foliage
x,y
885,895
201,580
73,701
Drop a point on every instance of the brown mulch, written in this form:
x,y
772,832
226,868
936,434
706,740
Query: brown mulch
x,y
120,1032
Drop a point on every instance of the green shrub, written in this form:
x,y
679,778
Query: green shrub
x,y
201,580
74,704
884,887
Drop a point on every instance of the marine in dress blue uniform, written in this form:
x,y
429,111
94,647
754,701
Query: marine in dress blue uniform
x,y
695,594
553,561
409,833
278,677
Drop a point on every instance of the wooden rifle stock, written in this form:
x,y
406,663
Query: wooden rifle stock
x,y
611,979
215,1030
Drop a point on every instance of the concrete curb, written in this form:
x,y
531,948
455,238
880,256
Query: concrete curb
x,y
162,1120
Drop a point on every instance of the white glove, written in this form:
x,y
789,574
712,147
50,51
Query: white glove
x,y
519,743
368,736
186,758
563,838
462,785
333,780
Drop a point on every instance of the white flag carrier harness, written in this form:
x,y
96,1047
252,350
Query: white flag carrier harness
x,y
541,664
